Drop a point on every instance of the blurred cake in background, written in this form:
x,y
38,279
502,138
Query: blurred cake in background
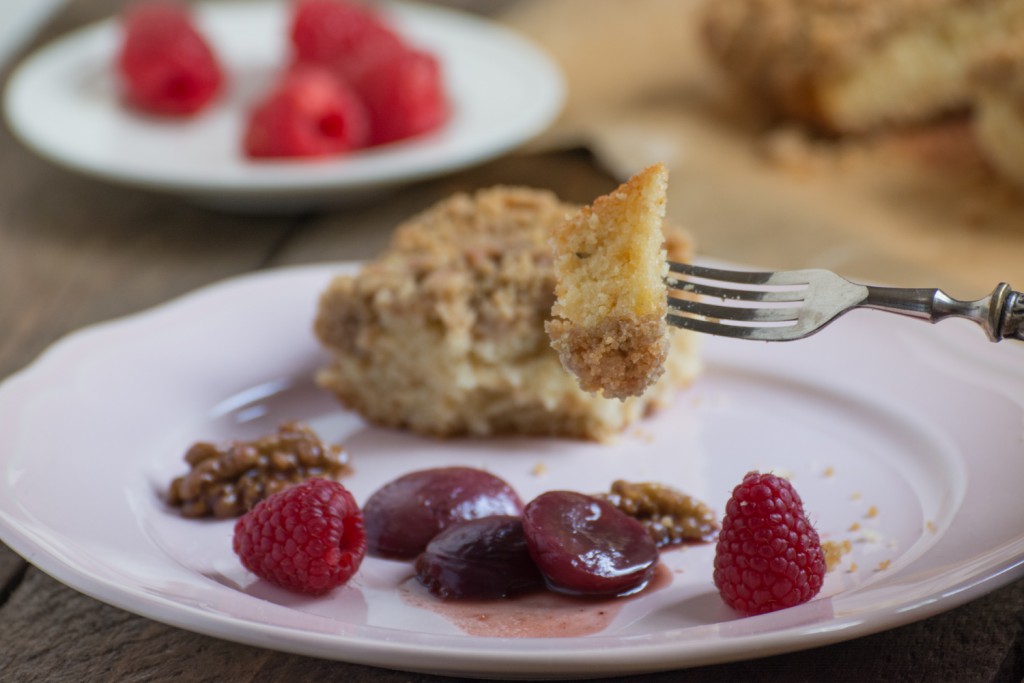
x,y
846,66
999,109
443,334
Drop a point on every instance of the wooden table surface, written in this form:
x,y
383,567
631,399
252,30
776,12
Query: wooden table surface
x,y
74,251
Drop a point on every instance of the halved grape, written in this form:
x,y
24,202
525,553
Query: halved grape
x,y
479,559
402,516
586,546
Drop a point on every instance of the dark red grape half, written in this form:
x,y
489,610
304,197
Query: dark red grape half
x,y
479,559
586,546
402,516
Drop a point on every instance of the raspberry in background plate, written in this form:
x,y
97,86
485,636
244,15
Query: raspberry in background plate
x,y
331,32
165,65
308,538
403,91
768,554
309,114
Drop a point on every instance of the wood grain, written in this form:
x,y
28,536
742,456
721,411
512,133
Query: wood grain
x,y
51,633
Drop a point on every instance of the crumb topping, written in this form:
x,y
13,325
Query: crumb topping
x,y
475,266
619,356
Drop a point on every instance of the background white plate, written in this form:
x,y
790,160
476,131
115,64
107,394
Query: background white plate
x,y
923,424
63,103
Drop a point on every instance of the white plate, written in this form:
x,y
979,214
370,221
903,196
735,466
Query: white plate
x,y
63,103
923,424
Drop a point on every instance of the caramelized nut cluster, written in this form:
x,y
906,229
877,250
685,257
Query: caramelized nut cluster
x,y
227,480
670,516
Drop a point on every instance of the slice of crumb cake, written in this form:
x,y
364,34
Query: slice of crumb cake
x,y
608,320
443,333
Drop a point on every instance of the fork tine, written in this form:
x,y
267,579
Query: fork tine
x,y
816,298
764,333
728,320
739,277
730,294
742,277
738,313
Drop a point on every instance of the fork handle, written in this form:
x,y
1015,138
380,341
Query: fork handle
x,y
1000,314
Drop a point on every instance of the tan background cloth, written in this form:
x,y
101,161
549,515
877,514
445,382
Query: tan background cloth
x,y
916,207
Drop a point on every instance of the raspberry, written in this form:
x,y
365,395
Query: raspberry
x,y
331,32
307,538
309,114
768,555
165,64
403,93
400,86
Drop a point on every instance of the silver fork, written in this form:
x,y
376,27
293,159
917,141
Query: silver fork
x,y
792,304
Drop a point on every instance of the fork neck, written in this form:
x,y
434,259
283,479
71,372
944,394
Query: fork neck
x,y
934,305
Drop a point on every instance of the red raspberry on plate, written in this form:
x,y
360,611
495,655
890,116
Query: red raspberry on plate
x,y
307,538
309,114
768,555
331,32
165,65
403,91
